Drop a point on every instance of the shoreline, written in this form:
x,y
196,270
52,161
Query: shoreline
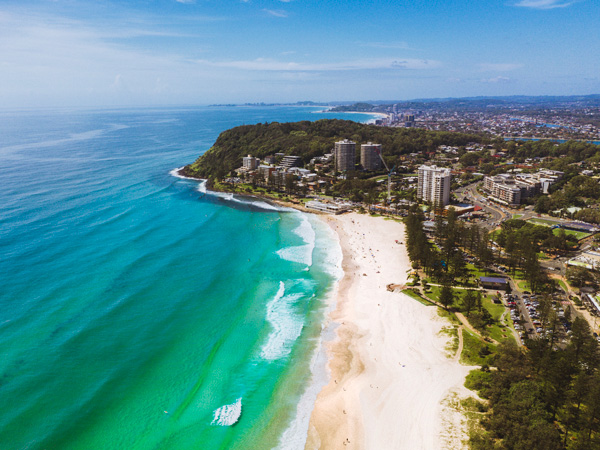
x,y
390,377
389,380
299,207
375,115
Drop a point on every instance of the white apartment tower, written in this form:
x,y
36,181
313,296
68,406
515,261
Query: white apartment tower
x,y
250,163
434,185
369,156
345,155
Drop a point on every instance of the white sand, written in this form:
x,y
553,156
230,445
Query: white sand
x,y
390,372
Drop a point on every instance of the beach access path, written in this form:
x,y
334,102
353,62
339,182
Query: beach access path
x,y
390,373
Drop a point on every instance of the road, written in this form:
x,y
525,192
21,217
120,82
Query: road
x,y
497,213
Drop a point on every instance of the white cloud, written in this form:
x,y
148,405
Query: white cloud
x,y
276,12
499,67
544,4
498,79
265,64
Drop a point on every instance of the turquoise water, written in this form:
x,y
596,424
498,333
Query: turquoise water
x,y
136,312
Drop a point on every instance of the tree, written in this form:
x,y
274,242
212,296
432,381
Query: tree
x,y
446,295
543,204
579,276
469,301
583,346
458,267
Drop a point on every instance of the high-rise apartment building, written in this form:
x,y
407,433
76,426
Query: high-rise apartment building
x,y
345,155
434,185
249,162
369,156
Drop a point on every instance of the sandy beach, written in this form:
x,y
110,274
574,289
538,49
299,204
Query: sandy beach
x,y
391,377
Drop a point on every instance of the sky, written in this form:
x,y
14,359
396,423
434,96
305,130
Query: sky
x,y
195,52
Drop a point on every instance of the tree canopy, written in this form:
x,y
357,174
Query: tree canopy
x,y
310,139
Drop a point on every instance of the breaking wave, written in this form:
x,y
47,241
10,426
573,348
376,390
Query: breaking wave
x,y
228,415
286,325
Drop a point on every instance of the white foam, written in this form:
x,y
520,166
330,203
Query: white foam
x,y
249,201
294,437
305,231
175,173
329,249
228,415
301,254
287,326
230,197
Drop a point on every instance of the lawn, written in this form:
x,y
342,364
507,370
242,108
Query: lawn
x,y
578,234
563,285
475,351
433,292
517,216
494,234
416,296
542,256
524,285
498,331
543,222
476,271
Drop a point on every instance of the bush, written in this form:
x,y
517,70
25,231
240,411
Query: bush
x,y
477,380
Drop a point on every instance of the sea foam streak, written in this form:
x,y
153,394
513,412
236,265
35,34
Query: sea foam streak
x,y
175,173
301,254
228,415
286,325
329,253
229,197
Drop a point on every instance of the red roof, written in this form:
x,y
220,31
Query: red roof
x,y
477,208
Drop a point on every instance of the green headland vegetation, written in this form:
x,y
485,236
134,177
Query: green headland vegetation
x,y
311,139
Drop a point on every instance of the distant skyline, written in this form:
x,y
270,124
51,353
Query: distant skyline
x,y
167,52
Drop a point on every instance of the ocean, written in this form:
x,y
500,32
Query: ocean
x,y
138,311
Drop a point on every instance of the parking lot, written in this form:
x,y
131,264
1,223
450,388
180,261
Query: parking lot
x,y
527,317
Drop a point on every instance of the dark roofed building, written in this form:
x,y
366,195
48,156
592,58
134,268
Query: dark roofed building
x,y
579,226
493,283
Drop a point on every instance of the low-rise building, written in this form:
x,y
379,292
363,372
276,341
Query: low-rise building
x,y
331,208
513,188
494,283
291,161
589,260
